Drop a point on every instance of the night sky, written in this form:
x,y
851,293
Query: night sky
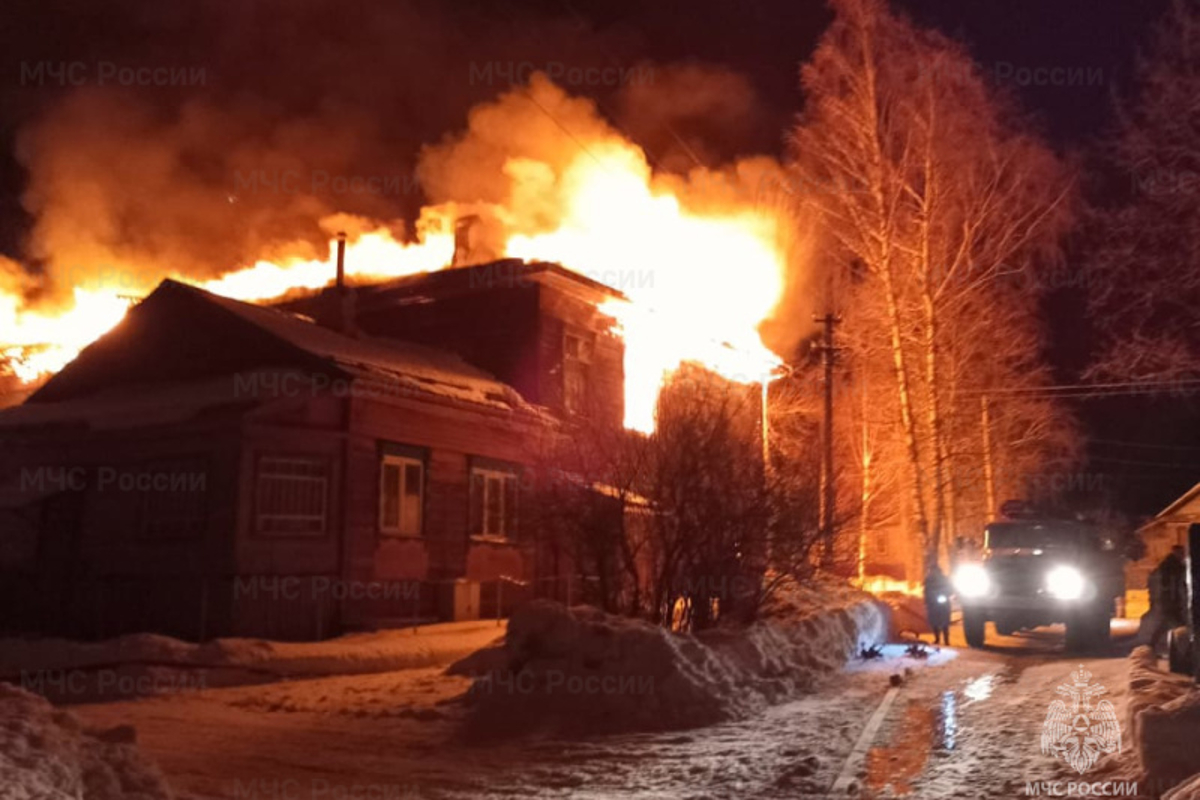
x,y
406,68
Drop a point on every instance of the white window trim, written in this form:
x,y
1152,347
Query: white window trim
x,y
483,534
396,530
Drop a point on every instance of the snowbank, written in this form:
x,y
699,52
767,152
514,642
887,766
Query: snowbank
x,y
1164,715
46,754
579,670
147,663
1185,791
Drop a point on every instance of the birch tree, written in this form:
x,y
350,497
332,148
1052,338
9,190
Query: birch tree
x,y
938,203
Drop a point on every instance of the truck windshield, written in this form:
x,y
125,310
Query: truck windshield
x,y
1033,535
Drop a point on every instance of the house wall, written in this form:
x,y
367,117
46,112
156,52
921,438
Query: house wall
x,y
287,586
491,326
1159,536
419,572
504,322
561,313
96,571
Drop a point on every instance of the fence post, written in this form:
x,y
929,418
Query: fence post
x,y
499,598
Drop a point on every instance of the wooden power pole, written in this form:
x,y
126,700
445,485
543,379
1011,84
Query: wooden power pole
x,y
828,484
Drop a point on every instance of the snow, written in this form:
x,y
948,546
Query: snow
x,y
164,663
1164,717
579,670
46,754
1189,790
124,407
414,366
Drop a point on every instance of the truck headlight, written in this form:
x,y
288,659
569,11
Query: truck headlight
x,y
1065,583
972,580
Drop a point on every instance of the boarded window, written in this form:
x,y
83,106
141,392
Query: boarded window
x,y
493,502
291,496
401,496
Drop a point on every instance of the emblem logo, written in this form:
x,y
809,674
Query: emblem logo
x,y
1078,732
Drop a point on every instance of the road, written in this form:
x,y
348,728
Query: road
x,y
963,724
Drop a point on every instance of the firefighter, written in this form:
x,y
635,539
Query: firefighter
x,y
1168,594
937,603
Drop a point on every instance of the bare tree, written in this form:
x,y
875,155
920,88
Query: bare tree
x,y
934,200
709,495
1145,283
583,500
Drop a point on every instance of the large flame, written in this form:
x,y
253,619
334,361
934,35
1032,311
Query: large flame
x,y
702,265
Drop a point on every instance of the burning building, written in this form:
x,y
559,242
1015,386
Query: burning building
x,y
404,378
212,467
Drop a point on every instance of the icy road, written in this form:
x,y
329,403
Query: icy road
x,y
964,724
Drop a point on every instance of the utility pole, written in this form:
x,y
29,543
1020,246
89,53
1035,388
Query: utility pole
x,y
828,485
989,477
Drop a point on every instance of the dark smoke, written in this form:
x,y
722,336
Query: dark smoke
x,y
301,109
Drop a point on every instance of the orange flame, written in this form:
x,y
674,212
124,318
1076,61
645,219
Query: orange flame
x,y
702,268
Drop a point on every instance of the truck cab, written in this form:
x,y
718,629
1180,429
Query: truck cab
x,y
1039,572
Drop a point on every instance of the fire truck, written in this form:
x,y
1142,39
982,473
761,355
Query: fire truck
x,y
1038,571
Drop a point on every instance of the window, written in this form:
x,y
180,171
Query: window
x,y
174,499
291,496
401,492
577,359
493,502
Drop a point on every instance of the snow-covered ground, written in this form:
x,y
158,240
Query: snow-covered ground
x,y
960,724
144,664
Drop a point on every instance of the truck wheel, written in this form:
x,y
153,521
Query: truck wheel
x,y
1179,651
1101,633
1077,633
974,625
1004,629
1088,629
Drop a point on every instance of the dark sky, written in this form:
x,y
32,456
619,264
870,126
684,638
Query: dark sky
x,y
400,73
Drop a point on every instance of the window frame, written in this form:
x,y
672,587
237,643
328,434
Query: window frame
x,y
327,484
577,366
503,475
401,461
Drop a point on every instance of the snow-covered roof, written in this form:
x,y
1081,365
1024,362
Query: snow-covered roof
x,y
301,349
1175,507
414,366
126,407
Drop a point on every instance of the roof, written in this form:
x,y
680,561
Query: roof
x,y
121,407
421,287
421,368
180,325
504,273
1175,507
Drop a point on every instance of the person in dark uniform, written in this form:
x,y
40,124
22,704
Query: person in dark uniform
x,y
937,603
1168,594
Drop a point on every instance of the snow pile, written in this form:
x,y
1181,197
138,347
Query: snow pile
x,y
582,671
1189,790
138,659
46,753
1164,715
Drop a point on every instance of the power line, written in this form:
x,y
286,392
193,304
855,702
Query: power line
x,y
1114,388
1146,445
